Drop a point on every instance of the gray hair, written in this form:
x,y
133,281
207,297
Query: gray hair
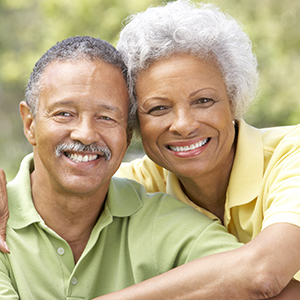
x,y
200,30
74,49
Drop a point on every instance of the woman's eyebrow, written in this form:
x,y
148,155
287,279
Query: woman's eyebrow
x,y
206,88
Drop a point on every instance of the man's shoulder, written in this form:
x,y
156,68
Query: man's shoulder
x,y
129,187
20,186
145,171
157,205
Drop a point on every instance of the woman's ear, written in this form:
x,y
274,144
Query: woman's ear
x,y
28,123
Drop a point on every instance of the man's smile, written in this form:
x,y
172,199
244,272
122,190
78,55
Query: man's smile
x,y
74,151
76,157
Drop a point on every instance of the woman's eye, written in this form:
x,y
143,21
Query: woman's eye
x,y
205,102
157,110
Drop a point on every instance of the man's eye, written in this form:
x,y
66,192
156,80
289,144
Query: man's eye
x,y
106,118
64,114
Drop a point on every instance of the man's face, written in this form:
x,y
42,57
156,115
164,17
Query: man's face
x,y
84,102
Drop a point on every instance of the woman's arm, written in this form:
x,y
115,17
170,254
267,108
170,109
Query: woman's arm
x,y
260,269
291,292
4,214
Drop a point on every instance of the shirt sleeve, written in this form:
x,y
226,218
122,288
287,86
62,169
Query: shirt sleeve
x,y
7,290
282,189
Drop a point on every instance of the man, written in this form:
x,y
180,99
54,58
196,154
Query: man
x,y
74,231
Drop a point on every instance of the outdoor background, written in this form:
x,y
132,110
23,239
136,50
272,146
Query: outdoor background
x,y
29,27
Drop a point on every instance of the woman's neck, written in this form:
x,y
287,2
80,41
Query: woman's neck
x,y
211,196
209,190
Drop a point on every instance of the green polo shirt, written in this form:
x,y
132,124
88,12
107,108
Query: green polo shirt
x,y
137,236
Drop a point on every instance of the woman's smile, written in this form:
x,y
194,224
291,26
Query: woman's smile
x,y
185,148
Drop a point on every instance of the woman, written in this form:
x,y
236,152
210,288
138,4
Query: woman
x,y
193,74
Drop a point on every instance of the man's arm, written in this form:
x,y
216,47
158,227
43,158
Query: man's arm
x,y
260,269
4,214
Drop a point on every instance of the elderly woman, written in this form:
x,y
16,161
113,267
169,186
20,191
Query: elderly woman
x,y
193,75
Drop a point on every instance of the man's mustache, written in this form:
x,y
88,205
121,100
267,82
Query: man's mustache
x,y
79,147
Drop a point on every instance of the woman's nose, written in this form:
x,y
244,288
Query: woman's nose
x,y
184,123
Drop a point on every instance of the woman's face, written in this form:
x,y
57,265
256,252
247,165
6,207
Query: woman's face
x,y
185,116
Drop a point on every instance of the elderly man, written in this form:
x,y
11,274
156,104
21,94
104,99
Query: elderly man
x,y
74,231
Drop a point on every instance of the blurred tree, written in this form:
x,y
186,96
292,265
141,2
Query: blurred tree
x,y
29,27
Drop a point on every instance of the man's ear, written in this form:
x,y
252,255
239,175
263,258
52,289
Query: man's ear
x,y
28,123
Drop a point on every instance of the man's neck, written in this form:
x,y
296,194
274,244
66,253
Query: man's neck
x,y
72,217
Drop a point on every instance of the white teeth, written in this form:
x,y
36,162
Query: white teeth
x,y
190,147
81,158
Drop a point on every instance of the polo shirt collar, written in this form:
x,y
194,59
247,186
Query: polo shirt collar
x,y
247,170
122,198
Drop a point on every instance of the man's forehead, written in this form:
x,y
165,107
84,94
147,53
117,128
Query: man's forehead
x,y
84,62
96,71
67,81
56,67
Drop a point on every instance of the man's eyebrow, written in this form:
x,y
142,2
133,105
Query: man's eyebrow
x,y
64,102
110,107
105,106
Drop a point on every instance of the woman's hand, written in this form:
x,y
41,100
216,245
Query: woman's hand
x,y
4,214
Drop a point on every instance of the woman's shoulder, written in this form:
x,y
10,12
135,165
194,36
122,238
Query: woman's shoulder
x,y
275,137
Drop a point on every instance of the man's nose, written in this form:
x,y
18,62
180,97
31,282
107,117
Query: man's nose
x,y
85,132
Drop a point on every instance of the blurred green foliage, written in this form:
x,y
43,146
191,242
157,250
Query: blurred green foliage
x,y
29,27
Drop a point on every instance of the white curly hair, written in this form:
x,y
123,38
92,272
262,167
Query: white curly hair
x,y
202,30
